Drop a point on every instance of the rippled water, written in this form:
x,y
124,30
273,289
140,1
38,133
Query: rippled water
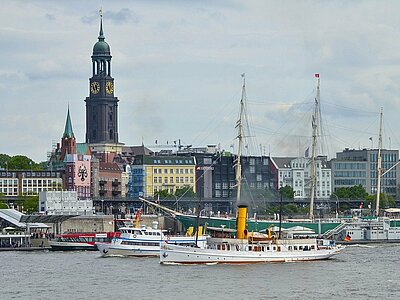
x,y
360,272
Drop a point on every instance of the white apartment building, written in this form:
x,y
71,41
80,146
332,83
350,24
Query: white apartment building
x,y
19,183
296,172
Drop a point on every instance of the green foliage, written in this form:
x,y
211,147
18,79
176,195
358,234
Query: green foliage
x,y
287,192
20,162
30,203
3,205
385,201
163,194
186,192
3,159
354,192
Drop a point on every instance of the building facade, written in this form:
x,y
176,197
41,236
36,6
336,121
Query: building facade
x,y
27,182
150,174
360,167
64,203
296,173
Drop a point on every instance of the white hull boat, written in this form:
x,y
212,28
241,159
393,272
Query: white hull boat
x,y
239,251
144,242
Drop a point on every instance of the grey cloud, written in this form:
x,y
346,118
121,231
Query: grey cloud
x,y
124,15
50,17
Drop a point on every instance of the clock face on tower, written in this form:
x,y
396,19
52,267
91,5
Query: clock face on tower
x,y
109,87
95,87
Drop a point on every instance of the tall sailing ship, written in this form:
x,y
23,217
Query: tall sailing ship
x,y
246,247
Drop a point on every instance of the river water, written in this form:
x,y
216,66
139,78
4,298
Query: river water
x,y
360,272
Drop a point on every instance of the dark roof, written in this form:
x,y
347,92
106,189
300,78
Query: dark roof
x,y
282,162
164,160
104,166
45,218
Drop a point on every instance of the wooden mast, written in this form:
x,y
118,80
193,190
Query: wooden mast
x,y
314,150
241,231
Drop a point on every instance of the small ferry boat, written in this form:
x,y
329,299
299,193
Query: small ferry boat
x,y
145,241
81,241
241,250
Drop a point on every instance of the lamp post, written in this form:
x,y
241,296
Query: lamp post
x,y
102,206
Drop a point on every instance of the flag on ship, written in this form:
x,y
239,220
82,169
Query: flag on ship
x,y
317,75
347,238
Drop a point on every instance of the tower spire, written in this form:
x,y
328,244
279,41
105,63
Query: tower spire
x,y
101,36
68,132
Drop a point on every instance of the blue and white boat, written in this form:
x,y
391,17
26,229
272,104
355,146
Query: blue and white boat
x,y
145,241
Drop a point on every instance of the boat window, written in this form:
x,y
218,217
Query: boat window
x,y
312,247
295,247
290,248
223,247
300,247
228,247
267,248
274,248
250,248
218,247
279,248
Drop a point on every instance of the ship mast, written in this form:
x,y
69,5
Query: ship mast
x,y
241,231
239,126
378,188
314,150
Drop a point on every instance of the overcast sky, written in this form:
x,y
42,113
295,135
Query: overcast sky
x,y
177,67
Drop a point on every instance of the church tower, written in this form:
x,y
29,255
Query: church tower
x,y
68,141
101,105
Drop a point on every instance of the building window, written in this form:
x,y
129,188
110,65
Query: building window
x,y
171,180
252,169
259,177
218,185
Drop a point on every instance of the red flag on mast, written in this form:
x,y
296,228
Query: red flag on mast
x,y
316,75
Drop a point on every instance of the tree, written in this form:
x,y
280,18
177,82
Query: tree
x,y
287,192
30,203
186,192
385,201
4,158
354,192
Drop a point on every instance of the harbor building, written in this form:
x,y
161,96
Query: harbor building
x,y
150,174
64,203
360,167
296,172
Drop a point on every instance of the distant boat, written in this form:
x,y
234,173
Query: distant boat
x,y
145,241
81,241
245,247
